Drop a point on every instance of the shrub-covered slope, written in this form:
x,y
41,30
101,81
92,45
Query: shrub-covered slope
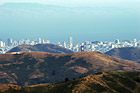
x,y
41,67
107,82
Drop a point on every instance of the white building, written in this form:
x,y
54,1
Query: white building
x,y
39,41
1,44
70,42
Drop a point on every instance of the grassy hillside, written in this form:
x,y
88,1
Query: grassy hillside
x,y
107,82
51,48
128,53
41,67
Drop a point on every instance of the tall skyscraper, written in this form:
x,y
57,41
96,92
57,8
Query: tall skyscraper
x,y
9,41
70,42
1,43
39,41
135,42
43,41
64,44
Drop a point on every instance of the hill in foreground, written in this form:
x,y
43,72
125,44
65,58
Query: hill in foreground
x,y
107,82
41,67
51,48
127,53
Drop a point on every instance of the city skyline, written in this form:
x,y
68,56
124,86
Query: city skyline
x,y
67,39
69,46
100,46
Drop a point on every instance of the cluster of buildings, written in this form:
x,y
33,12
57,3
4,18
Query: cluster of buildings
x,y
99,46
85,46
6,46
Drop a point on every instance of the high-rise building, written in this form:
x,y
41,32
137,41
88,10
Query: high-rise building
x,y
64,44
9,41
1,44
117,41
135,44
43,41
27,41
70,42
39,41
112,46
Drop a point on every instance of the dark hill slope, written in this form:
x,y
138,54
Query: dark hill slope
x,y
41,67
104,82
128,53
51,48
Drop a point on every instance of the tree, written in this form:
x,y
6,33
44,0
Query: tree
x,y
67,79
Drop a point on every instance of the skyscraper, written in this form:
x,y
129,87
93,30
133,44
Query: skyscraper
x,y
1,43
117,41
43,41
39,41
9,41
70,42
64,44
135,42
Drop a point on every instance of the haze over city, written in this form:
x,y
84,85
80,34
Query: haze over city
x,y
103,20
69,46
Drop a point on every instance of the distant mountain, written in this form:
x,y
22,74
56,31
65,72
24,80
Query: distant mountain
x,y
29,6
29,68
51,48
103,82
128,53
25,5
21,9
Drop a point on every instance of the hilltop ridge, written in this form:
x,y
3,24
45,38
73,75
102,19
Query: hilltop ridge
x,y
30,68
102,82
51,48
127,53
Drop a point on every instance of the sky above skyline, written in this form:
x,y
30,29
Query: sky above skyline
x,y
122,3
88,19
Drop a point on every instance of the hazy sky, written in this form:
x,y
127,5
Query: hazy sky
x,y
88,20
78,2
